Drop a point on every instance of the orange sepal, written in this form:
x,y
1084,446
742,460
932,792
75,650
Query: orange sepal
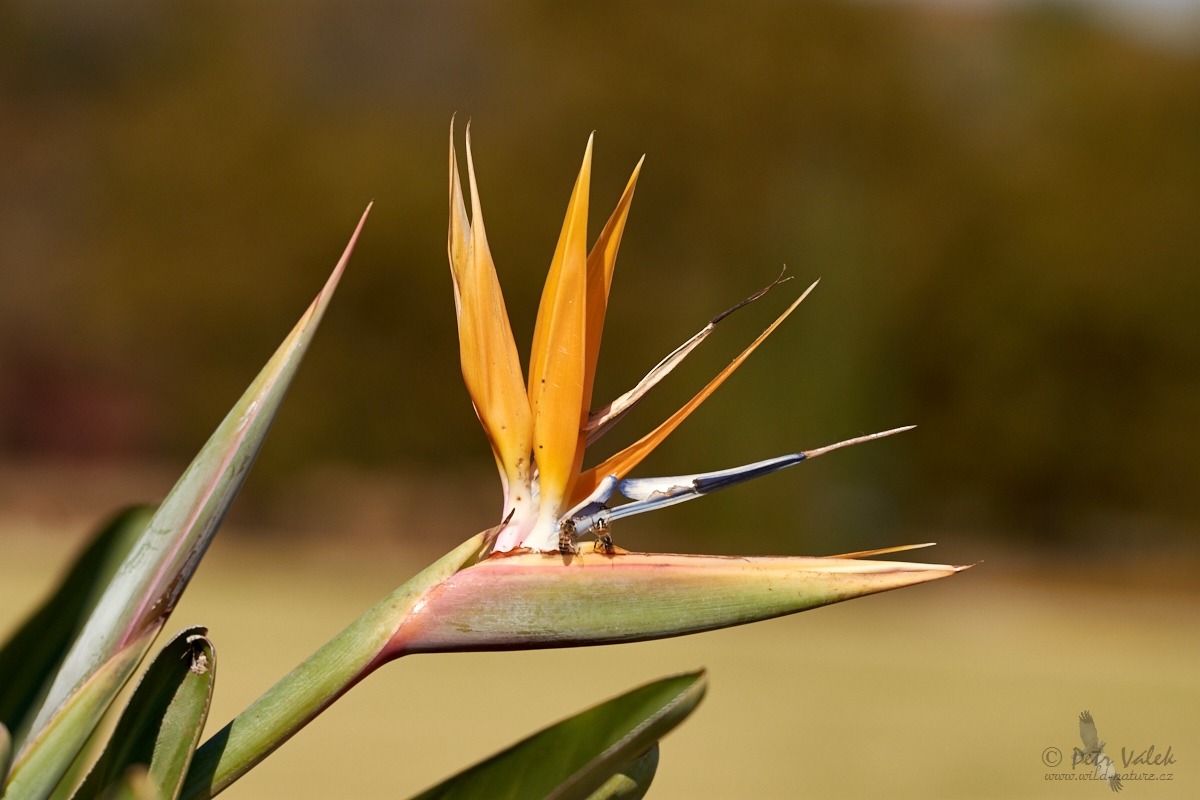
x,y
600,264
556,363
490,364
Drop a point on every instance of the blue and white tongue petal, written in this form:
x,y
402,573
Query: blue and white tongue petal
x,y
648,494
645,489
599,422
595,501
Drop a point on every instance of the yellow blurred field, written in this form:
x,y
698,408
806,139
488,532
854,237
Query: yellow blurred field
x,y
949,690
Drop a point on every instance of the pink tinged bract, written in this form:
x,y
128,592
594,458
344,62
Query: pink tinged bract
x,y
537,600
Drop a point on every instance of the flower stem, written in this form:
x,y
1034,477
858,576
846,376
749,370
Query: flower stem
x,y
313,686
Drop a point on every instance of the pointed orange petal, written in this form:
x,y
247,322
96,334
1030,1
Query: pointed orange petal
x,y
490,365
458,239
600,264
556,363
623,462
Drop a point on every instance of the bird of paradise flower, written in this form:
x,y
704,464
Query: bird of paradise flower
x,y
539,428
527,583
524,583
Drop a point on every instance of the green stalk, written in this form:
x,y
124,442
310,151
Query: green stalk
x,y
307,690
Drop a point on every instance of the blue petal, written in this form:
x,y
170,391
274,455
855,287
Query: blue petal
x,y
651,493
648,494
704,482
595,501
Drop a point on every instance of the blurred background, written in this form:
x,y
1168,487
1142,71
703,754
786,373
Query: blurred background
x,y
1001,200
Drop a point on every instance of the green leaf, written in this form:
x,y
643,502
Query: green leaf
x,y
150,581
5,751
632,781
574,758
45,760
31,657
135,784
161,726
83,762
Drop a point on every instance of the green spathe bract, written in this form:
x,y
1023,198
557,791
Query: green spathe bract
x,y
532,600
536,600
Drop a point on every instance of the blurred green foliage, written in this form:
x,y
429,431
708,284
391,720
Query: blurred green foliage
x,y
1003,209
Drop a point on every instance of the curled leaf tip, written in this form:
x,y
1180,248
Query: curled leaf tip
x,y
755,296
